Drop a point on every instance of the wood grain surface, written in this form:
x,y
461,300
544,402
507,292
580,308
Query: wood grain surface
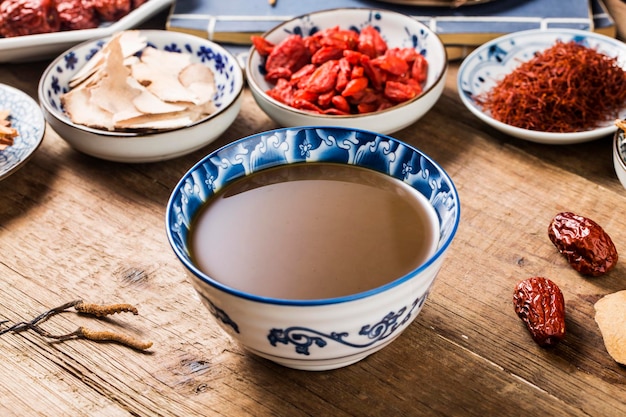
x,y
75,227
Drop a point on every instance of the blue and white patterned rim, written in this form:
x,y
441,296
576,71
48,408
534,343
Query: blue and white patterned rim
x,y
310,144
27,118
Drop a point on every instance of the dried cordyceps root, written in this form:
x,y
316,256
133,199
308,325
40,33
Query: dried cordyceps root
x,y
101,310
106,336
97,310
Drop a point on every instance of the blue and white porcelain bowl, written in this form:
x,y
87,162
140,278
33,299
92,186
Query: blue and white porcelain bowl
x,y
490,62
316,334
397,29
137,146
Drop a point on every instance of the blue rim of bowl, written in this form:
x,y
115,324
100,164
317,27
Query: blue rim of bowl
x,y
314,302
283,106
541,136
46,106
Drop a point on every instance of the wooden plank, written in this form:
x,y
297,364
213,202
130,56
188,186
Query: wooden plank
x,y
72,226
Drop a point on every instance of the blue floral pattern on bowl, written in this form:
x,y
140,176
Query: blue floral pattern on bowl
x,y
303,338
221,64
26,117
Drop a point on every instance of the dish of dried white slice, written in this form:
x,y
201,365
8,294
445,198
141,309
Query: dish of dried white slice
x,y
129,85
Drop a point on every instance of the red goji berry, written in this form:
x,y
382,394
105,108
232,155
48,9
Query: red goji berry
x,y
326,53
366,107
354,86
277,73
341,103
305,95
371,43
324,100
302,73
419,69
374,74
353,57
338,38
306,105
323,78
391,63
282,92
357,71
368,95
406,54
262,45
312,44
343,76
291,54
399,91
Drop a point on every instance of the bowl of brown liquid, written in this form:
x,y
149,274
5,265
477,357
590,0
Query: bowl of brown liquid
x,y
313,247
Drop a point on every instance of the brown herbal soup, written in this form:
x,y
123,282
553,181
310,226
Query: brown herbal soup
x,y
312,231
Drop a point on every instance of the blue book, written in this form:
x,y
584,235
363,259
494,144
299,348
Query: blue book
x,y
234,21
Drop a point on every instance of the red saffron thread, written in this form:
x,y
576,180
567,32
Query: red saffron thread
x,y
566,88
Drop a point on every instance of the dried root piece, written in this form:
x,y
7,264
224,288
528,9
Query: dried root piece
x,y
130,85
106,336
101,310
611,318
97,310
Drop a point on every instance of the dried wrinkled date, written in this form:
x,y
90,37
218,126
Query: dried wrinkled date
x,y
539,303
587,247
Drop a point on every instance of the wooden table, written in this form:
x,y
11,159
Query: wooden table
x,y
75,227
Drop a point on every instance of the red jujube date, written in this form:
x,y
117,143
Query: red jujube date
x,y
585,244
540,304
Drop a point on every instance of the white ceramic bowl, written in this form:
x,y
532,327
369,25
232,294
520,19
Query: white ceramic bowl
x,y
314,334
397,30
481,70
145,147
619,155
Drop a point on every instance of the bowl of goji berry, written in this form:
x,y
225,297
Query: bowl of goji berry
x,y
377,70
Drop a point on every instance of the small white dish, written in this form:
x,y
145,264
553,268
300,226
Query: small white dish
x,y
149,146
48,45
398,30
27,118
480,71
